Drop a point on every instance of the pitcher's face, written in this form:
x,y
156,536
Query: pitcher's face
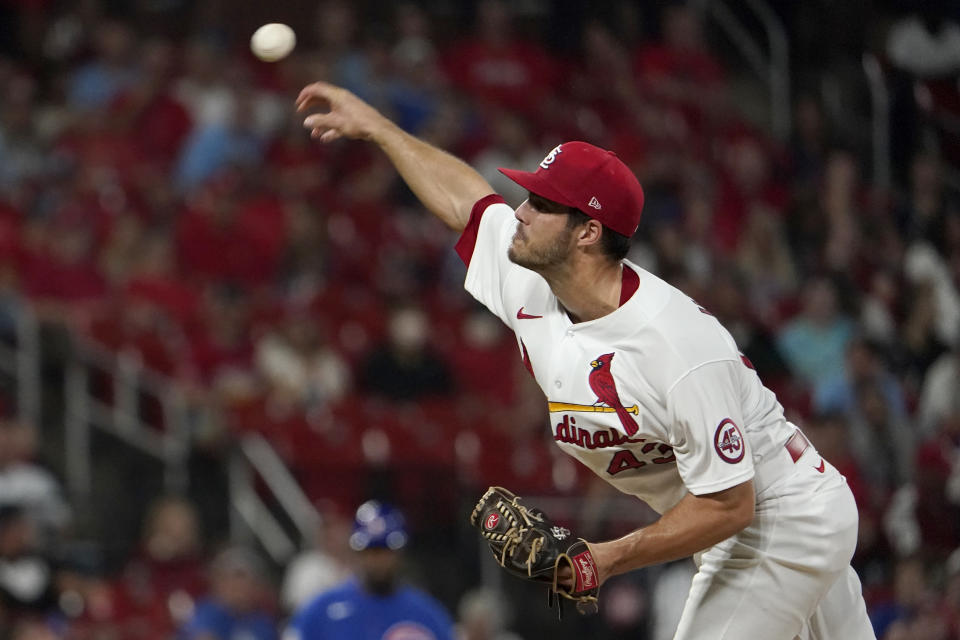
x,y
543,238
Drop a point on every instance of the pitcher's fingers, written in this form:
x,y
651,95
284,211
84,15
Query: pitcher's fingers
x,y
309,102
330,136
314,93
318,120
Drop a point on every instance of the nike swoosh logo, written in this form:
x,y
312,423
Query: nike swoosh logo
x,y
821,467
525,316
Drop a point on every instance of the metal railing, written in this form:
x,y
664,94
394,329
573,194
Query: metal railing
x,y
131,383
879,120
170,443
772,67
20,360
256,458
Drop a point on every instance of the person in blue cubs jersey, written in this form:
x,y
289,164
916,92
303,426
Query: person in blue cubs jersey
x,y
374,605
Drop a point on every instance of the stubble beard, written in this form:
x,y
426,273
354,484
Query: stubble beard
x,y
541,258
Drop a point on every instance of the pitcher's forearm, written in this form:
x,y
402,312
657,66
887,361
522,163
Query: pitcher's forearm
x,y
694,524
447,186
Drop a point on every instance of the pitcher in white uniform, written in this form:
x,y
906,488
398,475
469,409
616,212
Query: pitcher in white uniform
x,y
644,386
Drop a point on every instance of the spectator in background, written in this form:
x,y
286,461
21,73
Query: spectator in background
x,y
909,613
34,630
926,208
940,394
405,368
320,567
483,615
416,88
166,575
23,159
727,299
222,353
747,188
27,486
808,146
951,592
602,93
239,604
680,67
918,346
922,46
336,30
375,604
148,111
298,364
765,260
110,72
495,68
829,432
62,275
27,576
864,365
233,141
229,232
814,342
839,198
924,514
304,264
880,437
927,263
203,88
926,43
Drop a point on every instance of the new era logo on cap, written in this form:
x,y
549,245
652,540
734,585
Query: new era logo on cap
x,y
588,178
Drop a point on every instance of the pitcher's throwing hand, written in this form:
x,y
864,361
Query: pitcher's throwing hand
x,y
343,114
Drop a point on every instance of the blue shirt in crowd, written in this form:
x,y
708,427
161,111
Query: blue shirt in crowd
x,y
348,612
212,618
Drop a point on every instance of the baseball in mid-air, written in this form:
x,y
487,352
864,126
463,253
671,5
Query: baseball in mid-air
x,y
273,41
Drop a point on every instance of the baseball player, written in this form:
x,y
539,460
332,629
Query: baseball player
x,y
374,606
645,387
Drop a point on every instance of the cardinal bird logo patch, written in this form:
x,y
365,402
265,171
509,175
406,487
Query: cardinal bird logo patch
x,y
602,384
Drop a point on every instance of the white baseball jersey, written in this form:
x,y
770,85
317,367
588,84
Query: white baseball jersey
x,y
654,397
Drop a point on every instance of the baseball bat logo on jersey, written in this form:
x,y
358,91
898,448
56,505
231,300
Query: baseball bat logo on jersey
x,y
728,441
602,383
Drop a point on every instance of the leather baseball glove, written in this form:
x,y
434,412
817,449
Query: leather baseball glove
x,y
529,546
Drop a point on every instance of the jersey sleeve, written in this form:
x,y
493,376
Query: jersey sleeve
x,y
709,441
483,247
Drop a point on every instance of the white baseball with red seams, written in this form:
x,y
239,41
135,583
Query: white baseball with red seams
x,y
683,411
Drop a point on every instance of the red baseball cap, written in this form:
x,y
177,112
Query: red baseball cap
x,y
588,178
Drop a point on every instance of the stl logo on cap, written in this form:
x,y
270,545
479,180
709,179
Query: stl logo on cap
x,y
546,162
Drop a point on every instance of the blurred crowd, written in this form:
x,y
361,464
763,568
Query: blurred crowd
x,y
159,197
